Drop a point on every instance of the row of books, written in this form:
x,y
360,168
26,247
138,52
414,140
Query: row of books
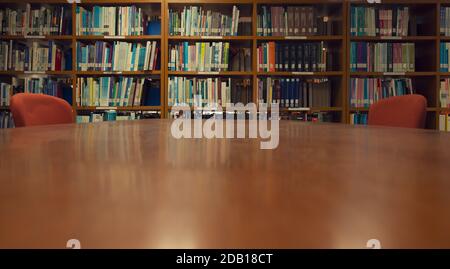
x,y
302,57
59,87
241,59
37,56
444,57
204,91
6,91
122,20
372,21
45,20
307,116
117,91
444,28
359,118
196,21
201,56
444,93
110,115
444,122
382,57
366,91
117,56
295,92
292,21
6,120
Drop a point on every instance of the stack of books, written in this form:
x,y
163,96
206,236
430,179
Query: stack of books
x,y
366,91
444,57
116,91
292,21
301,57
196,21
117,56
6,120
359,118
111,21
45,20
201,56
6,91
199,91
295,92
444,93
372,21
382,57
37,56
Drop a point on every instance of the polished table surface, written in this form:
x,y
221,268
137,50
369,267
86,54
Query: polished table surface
x,y
132,185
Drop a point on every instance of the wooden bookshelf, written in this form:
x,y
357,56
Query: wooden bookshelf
x,y
425,79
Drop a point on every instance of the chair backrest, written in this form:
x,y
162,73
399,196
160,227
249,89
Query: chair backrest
x,y
39,109
408,111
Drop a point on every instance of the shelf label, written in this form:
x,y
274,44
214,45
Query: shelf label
x,y
295,37
392,37
302,73
208,73
34,36
114,37
394,73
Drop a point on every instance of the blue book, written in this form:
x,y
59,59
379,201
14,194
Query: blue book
x,y
154,27
96,15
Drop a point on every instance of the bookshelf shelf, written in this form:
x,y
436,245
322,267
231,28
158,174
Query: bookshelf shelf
x,y
119,38
316,74
221,73
393,38
299,38
117,73
393,74
210,38
365,109
128,108
36,37
55,73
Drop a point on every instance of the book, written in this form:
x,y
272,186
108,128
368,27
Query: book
x,y
382,57
444,93
112,91
366,91
199,56
117,56
294,57
6,91
293,21
34,56
44,20
198,21
295,92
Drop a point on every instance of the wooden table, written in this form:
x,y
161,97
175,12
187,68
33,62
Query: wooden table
x,y
131,185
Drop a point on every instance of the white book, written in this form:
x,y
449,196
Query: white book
x,y
152,58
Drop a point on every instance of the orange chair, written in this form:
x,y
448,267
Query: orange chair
x,y
39,109
408,111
